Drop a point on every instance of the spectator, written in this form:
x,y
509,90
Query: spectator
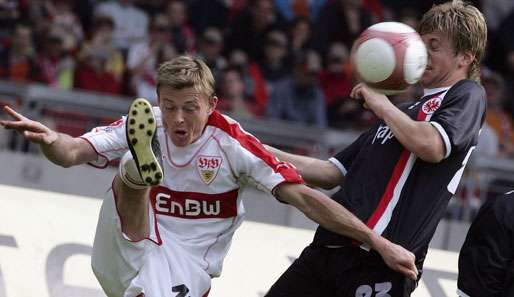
x,y
9,16
85,11
249,30
253,80
151,7
210,47
300,99
182,35
232,96
130,22
336,81
275,65
340,21
144,58
235,8
292,9
37,15
17,60
103,41
300,36
66,24
209,13
496,117
92,73
57,66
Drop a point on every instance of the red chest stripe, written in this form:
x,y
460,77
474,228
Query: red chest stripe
x,y
388,198
194,205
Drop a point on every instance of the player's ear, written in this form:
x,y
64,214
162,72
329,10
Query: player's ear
x,y
213,102
466,59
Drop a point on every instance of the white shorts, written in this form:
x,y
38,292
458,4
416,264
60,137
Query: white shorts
x,y
151,267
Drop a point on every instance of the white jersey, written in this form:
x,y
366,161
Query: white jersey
x,y
198,205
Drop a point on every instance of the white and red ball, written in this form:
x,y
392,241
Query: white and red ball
x,y
389,56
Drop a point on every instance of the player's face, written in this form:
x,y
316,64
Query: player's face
x,y
444,66
184,113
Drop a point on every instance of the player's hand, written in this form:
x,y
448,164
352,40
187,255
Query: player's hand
x,y
32,130
398,259
377,102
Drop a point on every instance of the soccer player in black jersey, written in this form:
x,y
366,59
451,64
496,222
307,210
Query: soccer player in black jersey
x,y
399,175
486,261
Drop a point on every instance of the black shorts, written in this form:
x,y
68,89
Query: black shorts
x,y
340,272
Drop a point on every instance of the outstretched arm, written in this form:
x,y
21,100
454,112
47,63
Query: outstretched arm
x,y
59,148
333,216
315,172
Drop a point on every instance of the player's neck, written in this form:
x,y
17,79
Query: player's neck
x,y
447,81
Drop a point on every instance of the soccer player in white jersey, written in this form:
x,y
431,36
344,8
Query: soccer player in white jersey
x,y
176,203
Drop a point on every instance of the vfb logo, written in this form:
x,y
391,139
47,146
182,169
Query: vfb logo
x,y
208,167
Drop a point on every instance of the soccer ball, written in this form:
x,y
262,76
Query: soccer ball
x,y
389,56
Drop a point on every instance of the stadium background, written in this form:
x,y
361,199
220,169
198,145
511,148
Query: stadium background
x,y
77,64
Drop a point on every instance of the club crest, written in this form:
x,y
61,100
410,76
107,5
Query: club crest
x,y
208,167
431,105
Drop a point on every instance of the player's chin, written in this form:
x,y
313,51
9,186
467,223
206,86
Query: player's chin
x,y
180,140
426,79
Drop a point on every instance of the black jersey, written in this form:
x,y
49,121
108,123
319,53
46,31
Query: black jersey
x,y
397,194
486,260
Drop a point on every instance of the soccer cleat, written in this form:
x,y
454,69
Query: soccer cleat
x,y
141,129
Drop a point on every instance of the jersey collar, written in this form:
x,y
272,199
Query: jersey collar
x,y
428,92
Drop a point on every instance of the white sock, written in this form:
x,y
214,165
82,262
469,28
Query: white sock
x,y
129,174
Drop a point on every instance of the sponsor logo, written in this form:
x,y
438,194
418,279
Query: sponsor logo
x,y
194,205
431,105
383,135
188,207
208,167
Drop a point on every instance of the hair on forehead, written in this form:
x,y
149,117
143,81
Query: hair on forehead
x,y
186,72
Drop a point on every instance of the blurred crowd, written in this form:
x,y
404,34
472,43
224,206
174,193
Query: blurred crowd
x,y
279,59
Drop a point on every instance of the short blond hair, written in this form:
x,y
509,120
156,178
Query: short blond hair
x,y
185,72
465,27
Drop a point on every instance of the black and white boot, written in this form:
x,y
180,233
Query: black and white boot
x,y
141,130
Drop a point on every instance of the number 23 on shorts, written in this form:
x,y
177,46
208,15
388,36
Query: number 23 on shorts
x,y
380,290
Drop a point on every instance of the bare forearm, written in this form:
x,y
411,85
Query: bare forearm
x,y
329,214
418,137
300,162
66,151
313,171
338,219
59,148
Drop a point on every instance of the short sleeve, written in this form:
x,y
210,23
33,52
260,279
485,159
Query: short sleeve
x,y
249,159
460,116
109,142
344,159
